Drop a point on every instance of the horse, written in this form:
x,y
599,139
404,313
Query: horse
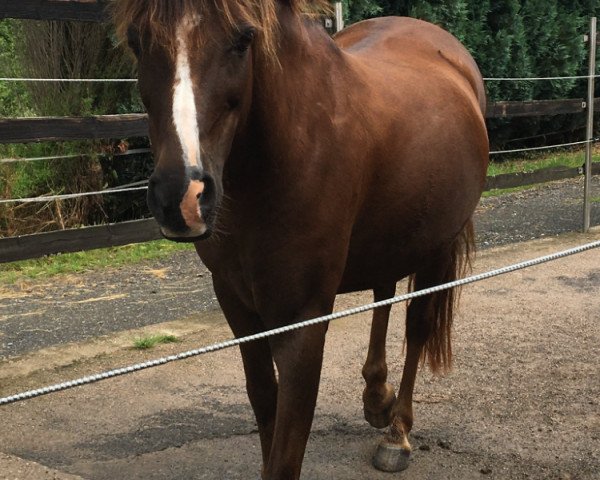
x,y
303,166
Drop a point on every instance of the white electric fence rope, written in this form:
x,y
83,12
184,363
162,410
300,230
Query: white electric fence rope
x,y
147,150
134,80
546,147
288,328
134,151
124,188
37,159
536,79
127,185
66,196
69,80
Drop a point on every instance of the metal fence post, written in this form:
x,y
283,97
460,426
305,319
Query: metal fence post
x,y
339,16
590,128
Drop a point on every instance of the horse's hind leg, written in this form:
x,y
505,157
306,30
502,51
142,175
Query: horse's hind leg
x,y
379,396
428,325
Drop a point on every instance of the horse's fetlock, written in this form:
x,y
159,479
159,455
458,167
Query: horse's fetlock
x,y
375,373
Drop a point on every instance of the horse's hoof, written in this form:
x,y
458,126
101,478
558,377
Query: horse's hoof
x,y
391,457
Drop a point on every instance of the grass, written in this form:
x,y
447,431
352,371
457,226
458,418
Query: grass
x,y
496,192
46,267
151,341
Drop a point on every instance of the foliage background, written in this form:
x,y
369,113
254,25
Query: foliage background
x,y
508,38
66,50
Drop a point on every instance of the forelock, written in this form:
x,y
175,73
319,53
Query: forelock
x,y
158,20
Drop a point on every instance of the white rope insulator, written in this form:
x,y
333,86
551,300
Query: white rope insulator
x,y
288,328
66,196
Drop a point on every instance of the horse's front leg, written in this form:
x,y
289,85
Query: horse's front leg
x,y
261,386
298,356
261,383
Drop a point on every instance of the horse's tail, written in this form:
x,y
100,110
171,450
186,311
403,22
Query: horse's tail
x,y
437,350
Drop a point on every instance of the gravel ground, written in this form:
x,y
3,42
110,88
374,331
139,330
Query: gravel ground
x,y
546,210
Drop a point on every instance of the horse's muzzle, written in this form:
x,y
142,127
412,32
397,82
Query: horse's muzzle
x,y
185,213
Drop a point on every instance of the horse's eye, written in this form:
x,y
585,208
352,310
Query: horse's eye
x,y
243,40
133,40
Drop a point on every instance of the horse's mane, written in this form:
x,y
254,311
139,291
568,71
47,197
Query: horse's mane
x,y
159,18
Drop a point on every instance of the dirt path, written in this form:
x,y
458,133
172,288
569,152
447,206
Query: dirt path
x,y
522,402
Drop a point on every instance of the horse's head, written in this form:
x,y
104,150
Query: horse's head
x,y
195,79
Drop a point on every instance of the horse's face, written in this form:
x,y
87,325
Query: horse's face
x,y
195,92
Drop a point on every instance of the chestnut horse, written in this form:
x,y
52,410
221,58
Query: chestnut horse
x,y
303,167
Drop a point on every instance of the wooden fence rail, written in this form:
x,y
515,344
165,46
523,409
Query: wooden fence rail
x,y
25,130
78,239
78,10
40,129
537,108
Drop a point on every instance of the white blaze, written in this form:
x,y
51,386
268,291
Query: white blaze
x,y
185,116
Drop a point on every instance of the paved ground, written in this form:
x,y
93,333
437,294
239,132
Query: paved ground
x,y
521,403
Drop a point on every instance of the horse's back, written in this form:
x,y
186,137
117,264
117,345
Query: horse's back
x,y
403,42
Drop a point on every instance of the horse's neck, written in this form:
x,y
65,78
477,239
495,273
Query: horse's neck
x,y
291,112
291,97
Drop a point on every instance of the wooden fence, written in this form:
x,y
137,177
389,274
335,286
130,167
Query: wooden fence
x,y
26,130
41,129
79,10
